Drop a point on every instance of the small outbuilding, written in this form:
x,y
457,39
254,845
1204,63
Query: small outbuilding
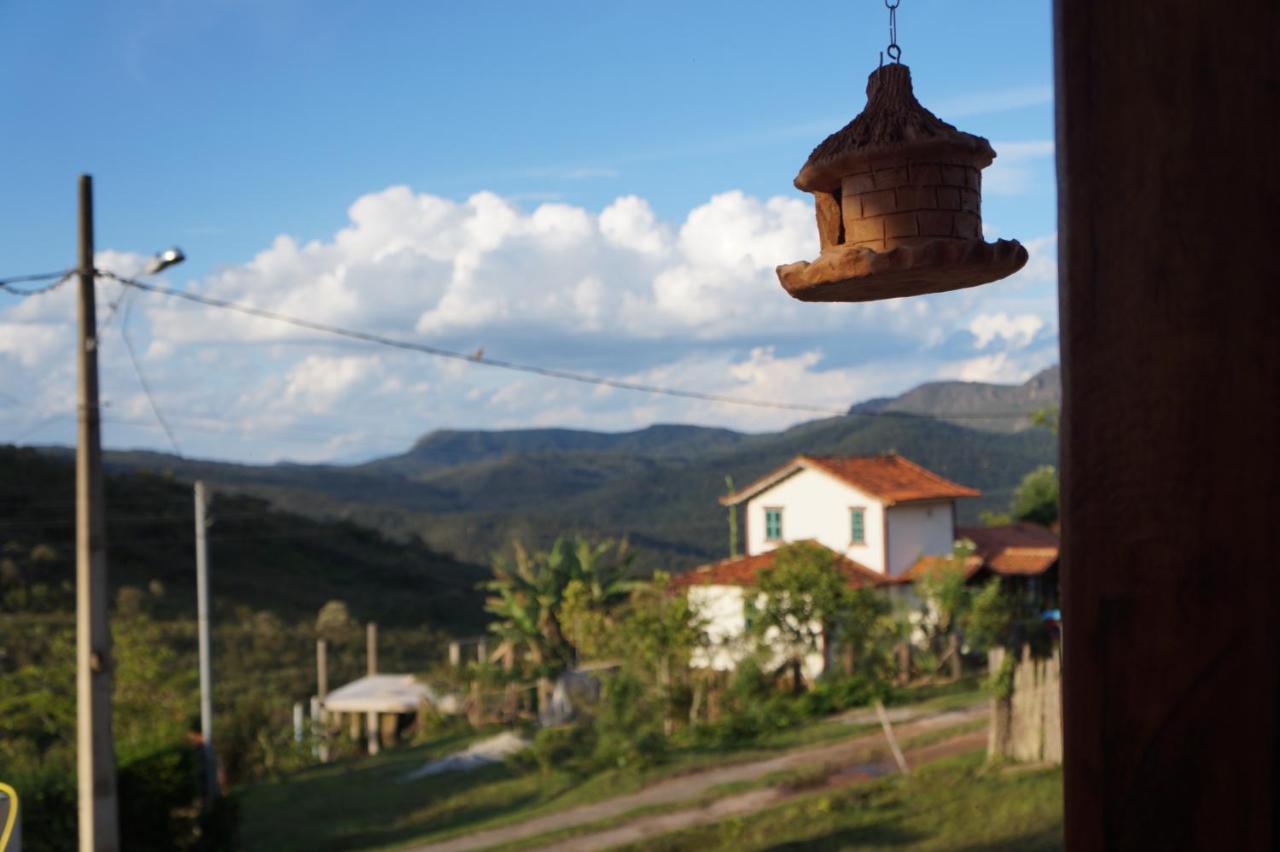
x,y
389,703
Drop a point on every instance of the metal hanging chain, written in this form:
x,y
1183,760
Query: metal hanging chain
x,y
894,51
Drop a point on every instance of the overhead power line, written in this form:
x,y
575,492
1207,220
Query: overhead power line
x,y
57,279
35,276
142,379
534,369
382,340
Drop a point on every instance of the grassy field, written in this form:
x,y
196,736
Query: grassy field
x,y
363,804
954,804
807,777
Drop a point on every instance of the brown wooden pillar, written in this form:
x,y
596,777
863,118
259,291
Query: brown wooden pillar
x,y
1168,144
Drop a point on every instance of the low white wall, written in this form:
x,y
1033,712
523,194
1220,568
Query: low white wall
x,y
726,626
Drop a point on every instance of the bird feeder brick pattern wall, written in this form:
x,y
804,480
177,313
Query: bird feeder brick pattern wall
x,y
898,199
906,205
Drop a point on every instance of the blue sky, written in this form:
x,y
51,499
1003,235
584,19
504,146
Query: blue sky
x,y
596,186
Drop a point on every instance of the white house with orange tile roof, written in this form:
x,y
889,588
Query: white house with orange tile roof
x,y
881,514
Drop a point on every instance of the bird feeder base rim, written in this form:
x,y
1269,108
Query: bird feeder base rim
x,y
848,274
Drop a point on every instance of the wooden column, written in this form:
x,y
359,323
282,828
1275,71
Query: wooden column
x,y
1170,324
322,692
371,660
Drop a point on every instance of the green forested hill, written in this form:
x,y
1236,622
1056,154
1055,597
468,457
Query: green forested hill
x,y
659,490
448,448
261,558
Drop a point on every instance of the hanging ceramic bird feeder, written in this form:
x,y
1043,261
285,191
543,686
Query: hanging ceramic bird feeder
x,y
899,204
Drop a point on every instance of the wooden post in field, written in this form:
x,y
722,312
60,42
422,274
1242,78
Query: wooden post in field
x,y
322,692
371,659
898,756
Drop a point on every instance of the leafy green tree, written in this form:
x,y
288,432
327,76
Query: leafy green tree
x,y
947,599
806,601
1036,498
334,622
652,636
1048,417
990,617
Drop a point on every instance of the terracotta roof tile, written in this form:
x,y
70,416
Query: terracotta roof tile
x,y
991,540
1024,560
1021,549
892,477
926,564
744,570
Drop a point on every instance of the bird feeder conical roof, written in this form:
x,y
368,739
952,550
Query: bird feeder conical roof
x,y
897,193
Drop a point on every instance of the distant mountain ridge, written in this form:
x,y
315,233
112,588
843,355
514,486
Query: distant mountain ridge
x,y
469,493
965,403
448,447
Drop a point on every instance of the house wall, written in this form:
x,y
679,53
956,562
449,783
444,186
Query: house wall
x,y
918,529
816,506
726,626
721,607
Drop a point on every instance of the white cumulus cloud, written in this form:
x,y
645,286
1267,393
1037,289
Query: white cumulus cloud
x,y
1017,331
692,304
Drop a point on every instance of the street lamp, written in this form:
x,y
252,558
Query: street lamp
x,y
165,259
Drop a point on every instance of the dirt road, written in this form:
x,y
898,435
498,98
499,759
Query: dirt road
x,y
656,825
865,749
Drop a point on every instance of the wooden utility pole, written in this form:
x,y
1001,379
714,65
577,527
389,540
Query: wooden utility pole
x,y
95,748
371,658
322,692
202,616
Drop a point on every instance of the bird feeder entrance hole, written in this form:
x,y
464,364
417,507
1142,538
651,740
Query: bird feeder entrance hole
x,y
898,196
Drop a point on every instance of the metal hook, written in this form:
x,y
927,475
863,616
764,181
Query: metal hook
x,y
895,52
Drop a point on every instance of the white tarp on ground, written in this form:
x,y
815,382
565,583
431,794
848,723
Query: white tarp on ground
x,y
482,753
381,693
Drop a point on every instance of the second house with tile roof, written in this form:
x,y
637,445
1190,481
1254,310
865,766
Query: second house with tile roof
x,y
882,515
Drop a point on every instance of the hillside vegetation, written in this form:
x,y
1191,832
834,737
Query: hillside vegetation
x,y
470,493
261,558
661,494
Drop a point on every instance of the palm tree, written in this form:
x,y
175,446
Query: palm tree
x,y
526,594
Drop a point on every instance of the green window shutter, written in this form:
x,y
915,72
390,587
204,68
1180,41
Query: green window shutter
x,y
773,524
858,525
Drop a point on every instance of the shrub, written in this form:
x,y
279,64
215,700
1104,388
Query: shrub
x,y
159,795
48,808
159,806
838,694
562,747
628,727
